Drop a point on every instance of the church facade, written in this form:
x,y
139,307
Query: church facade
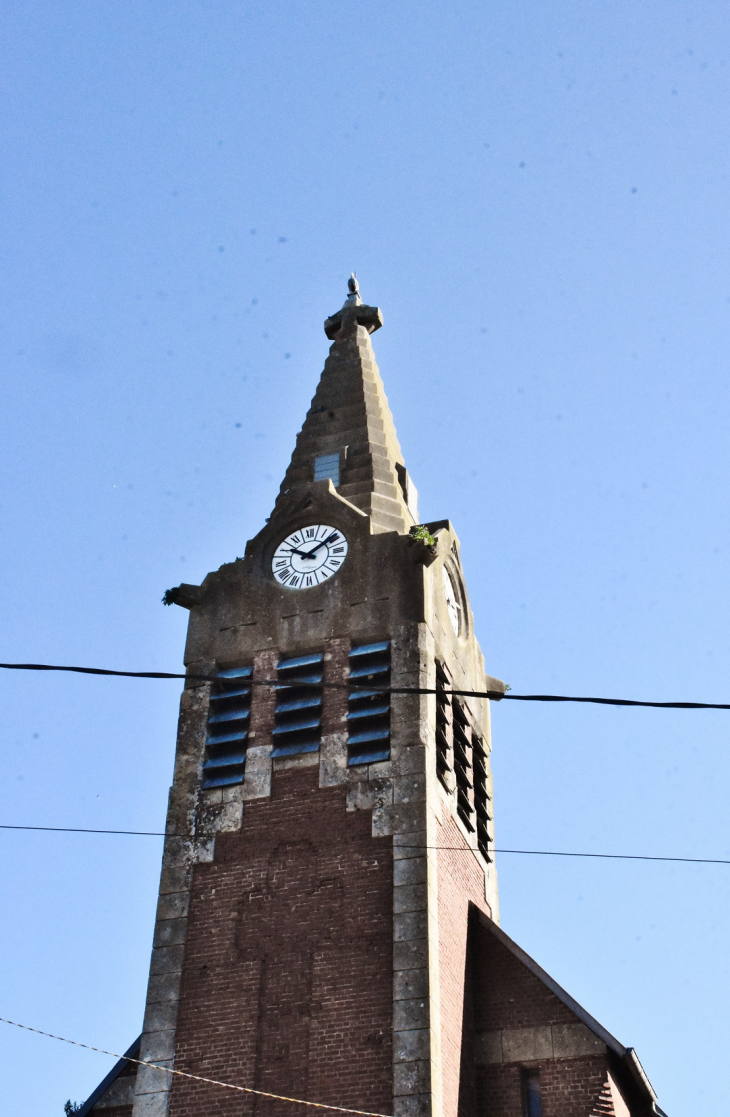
x,y
328,925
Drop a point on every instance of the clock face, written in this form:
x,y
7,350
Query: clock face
x,y
452,601
309,556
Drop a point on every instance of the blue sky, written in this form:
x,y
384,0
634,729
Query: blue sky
x,y
537,197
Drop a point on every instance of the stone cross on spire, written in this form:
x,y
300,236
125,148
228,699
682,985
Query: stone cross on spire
x,y
350,424
353,313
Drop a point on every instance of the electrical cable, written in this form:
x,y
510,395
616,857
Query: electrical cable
x,y
496,695
195,1077
401,845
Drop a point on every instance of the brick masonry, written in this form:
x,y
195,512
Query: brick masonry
x,y
287,978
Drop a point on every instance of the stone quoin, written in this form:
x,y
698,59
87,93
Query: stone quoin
x,y
328,925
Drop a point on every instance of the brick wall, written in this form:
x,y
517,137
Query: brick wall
x,y
507,995
287,979
570,1087
460,881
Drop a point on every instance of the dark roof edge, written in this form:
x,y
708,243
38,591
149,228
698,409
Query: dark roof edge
x,y
131,1053
627,1055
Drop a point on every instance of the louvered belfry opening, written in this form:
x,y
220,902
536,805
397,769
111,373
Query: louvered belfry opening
x,y
228,718
444,727
463,765
368,711
298,711
482,798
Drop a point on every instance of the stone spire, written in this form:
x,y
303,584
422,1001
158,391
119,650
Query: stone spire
x,y
348,433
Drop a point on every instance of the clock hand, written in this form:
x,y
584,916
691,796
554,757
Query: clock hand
x,y
324,543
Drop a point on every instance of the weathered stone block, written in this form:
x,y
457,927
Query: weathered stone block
x,y
571,1041
409,789
407,843
333,760
410,983
526,1044
160,1016
410,870
164,987
488,1047
365,796
410,955
174,878
411,1078
170,932
410,925
173,905
411,1045
409,897
151,1105
151,1080
412,1105
411,1014
166,960
158,1046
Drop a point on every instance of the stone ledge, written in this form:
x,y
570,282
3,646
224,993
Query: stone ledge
x,y
521,1045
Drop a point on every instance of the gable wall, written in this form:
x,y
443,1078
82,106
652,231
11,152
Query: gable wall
x,y
520,1023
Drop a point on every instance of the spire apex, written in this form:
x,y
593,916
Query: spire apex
x,y
353,287
348,435
353,313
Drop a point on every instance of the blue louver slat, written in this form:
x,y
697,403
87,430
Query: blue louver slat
x,y
369,711
230,715
223,780
228,760
294,749
236,673
381,668
299,704
369,649
299,661
297,726
369,735
300,680
225,738
370,756
241,692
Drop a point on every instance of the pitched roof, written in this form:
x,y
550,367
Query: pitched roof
x,y
118,1068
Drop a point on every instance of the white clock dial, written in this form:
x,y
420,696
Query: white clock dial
x,y
309,556
452,602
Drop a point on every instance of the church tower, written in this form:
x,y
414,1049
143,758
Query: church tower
x,y
311,930
327,925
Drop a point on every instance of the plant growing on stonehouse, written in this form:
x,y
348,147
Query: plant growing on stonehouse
x,y
423,535
425,544
72,1107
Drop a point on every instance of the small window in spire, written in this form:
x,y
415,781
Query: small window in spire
x,y
410,495
327,467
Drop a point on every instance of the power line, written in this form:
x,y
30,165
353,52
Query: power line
x,y
495,695
401,845
195,1077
